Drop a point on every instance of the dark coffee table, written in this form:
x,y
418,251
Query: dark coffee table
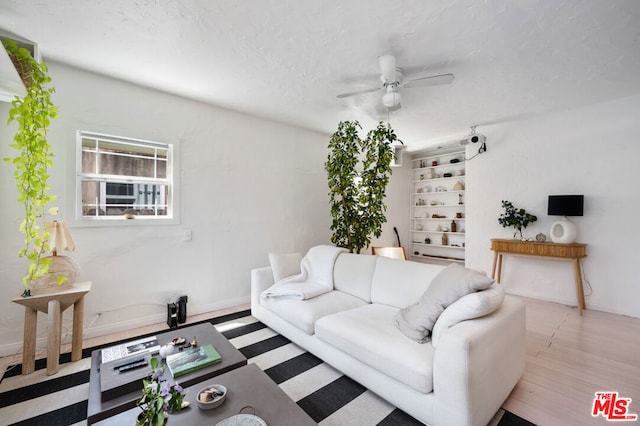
x,y
100,408
246,386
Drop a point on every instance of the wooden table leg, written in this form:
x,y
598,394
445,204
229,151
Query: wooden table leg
x,y
579,288
76,342
495,260
29,344
53,337
499,267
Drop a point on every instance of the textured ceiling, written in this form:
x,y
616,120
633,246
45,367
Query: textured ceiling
x,y
288,59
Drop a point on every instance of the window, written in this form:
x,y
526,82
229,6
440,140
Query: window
x,y
123,178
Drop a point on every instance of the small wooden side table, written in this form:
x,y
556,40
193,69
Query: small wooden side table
x,y
573,252
53,304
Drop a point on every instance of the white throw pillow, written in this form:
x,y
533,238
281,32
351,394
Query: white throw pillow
x,y
284,264
474,305
453,282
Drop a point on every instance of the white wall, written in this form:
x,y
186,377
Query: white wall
x,y
397,200
592,151
248,186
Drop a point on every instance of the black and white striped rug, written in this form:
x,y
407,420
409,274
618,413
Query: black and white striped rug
x,y
326,395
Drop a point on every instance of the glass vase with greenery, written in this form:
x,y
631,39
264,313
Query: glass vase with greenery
x,y
518,218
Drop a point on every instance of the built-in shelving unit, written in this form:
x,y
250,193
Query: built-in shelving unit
x,y
438,183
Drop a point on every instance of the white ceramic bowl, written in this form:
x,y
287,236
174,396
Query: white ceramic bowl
x,y
214,402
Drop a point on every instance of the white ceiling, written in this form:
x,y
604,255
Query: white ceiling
x,y
288,59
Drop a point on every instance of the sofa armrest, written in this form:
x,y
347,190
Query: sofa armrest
x,y
261,279
477,364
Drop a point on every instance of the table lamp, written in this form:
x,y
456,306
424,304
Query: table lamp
x,y
59,239
565,231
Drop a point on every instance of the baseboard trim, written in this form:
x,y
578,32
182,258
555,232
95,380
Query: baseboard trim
x,y
13,348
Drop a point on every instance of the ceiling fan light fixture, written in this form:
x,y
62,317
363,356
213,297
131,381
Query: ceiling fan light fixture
x,y
391,99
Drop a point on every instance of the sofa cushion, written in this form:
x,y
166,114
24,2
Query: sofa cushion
x,y
367,334
304,313
399,283
352,274
453,282
474,305
284,264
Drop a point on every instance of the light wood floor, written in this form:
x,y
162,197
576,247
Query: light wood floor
x,y
569,358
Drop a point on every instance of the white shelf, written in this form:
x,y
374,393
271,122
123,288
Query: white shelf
x,y
426,256
439,192
451,153
437,245
438,232
439,179
439,218
461,206
449,196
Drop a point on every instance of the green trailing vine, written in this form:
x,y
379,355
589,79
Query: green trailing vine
x,y
33,114
358,173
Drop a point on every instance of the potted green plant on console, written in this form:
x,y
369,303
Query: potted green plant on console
x,y
518,218
33,114
358,171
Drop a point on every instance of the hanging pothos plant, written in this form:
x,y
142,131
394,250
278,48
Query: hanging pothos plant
x,y
358,172
33,114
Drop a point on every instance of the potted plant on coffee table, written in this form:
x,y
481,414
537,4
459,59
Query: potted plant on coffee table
x,y
159,399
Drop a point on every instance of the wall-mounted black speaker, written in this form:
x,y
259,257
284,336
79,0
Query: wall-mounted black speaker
x,y
182,309
172,315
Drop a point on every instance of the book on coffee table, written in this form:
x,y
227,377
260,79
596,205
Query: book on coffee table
x,y
192,359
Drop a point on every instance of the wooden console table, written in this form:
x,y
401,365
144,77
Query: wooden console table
x,y
53,304
573,252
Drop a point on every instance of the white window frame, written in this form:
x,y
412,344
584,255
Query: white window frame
x,y
171,216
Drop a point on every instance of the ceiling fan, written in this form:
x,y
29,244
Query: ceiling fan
x,y
392,80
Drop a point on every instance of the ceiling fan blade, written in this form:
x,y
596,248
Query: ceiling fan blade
x,y
388,67
433,80
358,92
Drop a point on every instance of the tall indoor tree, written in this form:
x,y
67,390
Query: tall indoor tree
x,y
358,173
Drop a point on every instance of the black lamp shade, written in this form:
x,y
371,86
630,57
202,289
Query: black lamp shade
x,y
565,205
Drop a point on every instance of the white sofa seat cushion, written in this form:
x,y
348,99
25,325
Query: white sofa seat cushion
x,y
304,313
369,335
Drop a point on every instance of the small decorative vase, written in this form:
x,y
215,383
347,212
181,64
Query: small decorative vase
x,y
166,350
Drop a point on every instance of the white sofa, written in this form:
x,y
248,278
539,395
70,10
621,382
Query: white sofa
x,y
461,377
